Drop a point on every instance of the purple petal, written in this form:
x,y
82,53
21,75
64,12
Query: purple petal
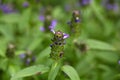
x,y
6,8
53,24
41,18
52,30
22,56
42,29
77,19
28,61
119,62
67,7
85,2
25,4
65,35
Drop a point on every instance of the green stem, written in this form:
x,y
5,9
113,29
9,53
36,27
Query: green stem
x,y
54,70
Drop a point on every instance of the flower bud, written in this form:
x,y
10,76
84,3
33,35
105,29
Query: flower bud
x,y
57,46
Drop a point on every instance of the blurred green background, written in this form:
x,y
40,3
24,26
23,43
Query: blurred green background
x,y
94,54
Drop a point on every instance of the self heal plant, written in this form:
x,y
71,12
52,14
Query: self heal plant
x,y
10,51
28,58
57,46
75,23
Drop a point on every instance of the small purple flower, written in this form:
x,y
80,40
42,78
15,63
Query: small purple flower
x,y
6,8
22,56
28,60
67,7
65,35
53,24
85,2
119,62
42,29
110,5
77,20
41,18
25,4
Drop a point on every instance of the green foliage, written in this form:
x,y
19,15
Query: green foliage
x,y
93,55
70,71
33,70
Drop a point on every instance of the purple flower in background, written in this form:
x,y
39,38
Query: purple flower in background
x,y
7,8
28,58
85,2
42,29
53,24
41,18
67,7
22,56
119,62
25,4
50,27
77,20
110,5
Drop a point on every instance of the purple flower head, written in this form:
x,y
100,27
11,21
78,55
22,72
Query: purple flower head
x,y
28,60
85,2
42,29
67,7
41,18
77,19
22,56
112,7
119,62
65,35
53,24
6,8
25,4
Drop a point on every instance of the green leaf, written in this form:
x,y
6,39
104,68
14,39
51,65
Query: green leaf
x,y
35,44
2,53
54,71
43,54
71,72
33,70
19,52
107,56
99,45
10,18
